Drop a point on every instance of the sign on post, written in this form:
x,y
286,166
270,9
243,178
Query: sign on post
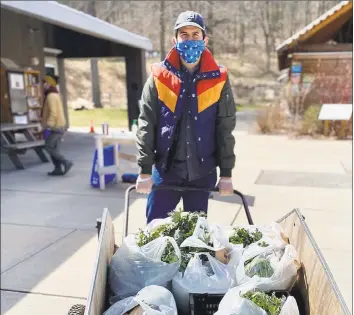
x,y
333,112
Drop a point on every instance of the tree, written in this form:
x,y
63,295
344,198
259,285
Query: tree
x,y
95,76
267,13
210,26
162,29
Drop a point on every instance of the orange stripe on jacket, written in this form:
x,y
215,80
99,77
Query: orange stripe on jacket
x,y
168,86
209,90
166,77
166,95
210,96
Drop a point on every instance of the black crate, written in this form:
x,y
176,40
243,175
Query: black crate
x,y
279,293
208,304
204,304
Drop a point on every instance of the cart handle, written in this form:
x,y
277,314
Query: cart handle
x,y
178,188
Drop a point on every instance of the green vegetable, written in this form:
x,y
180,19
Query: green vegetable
x,y
143,237
169,255
181,227
270,303
263,244
243,236
259,266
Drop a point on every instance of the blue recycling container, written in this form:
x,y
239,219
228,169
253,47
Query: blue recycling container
x,y
108,156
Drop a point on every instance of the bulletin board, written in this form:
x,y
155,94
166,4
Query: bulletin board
x,y
17,92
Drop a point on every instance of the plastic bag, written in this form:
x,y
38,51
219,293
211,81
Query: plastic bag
x,y
152,300
133,267
259,266
281,261
290,307
234,304
265,236
204,274
205,236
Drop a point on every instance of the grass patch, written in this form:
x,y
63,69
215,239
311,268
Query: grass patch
x,y
246,107
116,118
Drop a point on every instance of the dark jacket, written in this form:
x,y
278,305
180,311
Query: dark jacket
x,y
214,115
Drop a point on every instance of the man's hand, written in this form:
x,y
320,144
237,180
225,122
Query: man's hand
x,y
225,186
144,184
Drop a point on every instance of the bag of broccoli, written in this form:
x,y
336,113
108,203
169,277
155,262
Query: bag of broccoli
x,y
246,299
259,266
151,300
204,274
275,268
134,267
255,238
204,236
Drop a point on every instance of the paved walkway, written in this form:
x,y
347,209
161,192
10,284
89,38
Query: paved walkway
x,y
48,239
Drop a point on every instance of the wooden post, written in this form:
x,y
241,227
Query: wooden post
x,y
136,77
343,125
95,79
326,128
63,90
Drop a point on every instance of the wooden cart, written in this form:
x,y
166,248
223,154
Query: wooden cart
x,y
315,291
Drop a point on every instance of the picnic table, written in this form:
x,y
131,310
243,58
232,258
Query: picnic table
x,y
14,148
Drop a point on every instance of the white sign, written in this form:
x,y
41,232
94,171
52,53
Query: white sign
x,y
17,82
336,112
21,120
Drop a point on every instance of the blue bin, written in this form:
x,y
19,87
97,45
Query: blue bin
x,y
108,156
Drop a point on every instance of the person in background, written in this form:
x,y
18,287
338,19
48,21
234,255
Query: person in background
x,y
187,116
53,125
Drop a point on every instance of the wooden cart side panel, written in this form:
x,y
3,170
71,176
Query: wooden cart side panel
x,y
97,295
317,286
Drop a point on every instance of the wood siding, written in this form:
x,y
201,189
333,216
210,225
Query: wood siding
x,y
332,77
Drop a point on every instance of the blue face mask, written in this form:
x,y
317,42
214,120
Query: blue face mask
x,y
190,50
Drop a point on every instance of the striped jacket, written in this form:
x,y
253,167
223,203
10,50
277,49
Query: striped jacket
x,y
214,115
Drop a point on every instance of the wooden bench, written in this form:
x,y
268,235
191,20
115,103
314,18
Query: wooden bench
x,y
25,145
14,148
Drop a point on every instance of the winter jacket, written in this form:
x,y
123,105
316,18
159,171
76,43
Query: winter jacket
x,y
213,111
53,116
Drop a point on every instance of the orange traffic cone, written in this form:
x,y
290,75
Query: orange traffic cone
x,y
92,127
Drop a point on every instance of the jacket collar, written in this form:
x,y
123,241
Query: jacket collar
x,y
208,67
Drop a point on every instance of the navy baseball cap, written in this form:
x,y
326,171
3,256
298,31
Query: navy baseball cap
x,y
190,18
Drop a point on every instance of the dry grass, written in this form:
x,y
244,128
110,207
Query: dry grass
x,y
310,125
271,119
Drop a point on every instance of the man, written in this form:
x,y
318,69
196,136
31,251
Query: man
x,y
185,126
53,124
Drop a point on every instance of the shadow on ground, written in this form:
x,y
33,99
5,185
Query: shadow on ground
x,y
47,220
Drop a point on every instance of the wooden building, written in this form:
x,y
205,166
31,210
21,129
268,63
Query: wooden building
x,y
30,28
319,57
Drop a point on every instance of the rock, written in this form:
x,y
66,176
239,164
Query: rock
x,y
81,104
